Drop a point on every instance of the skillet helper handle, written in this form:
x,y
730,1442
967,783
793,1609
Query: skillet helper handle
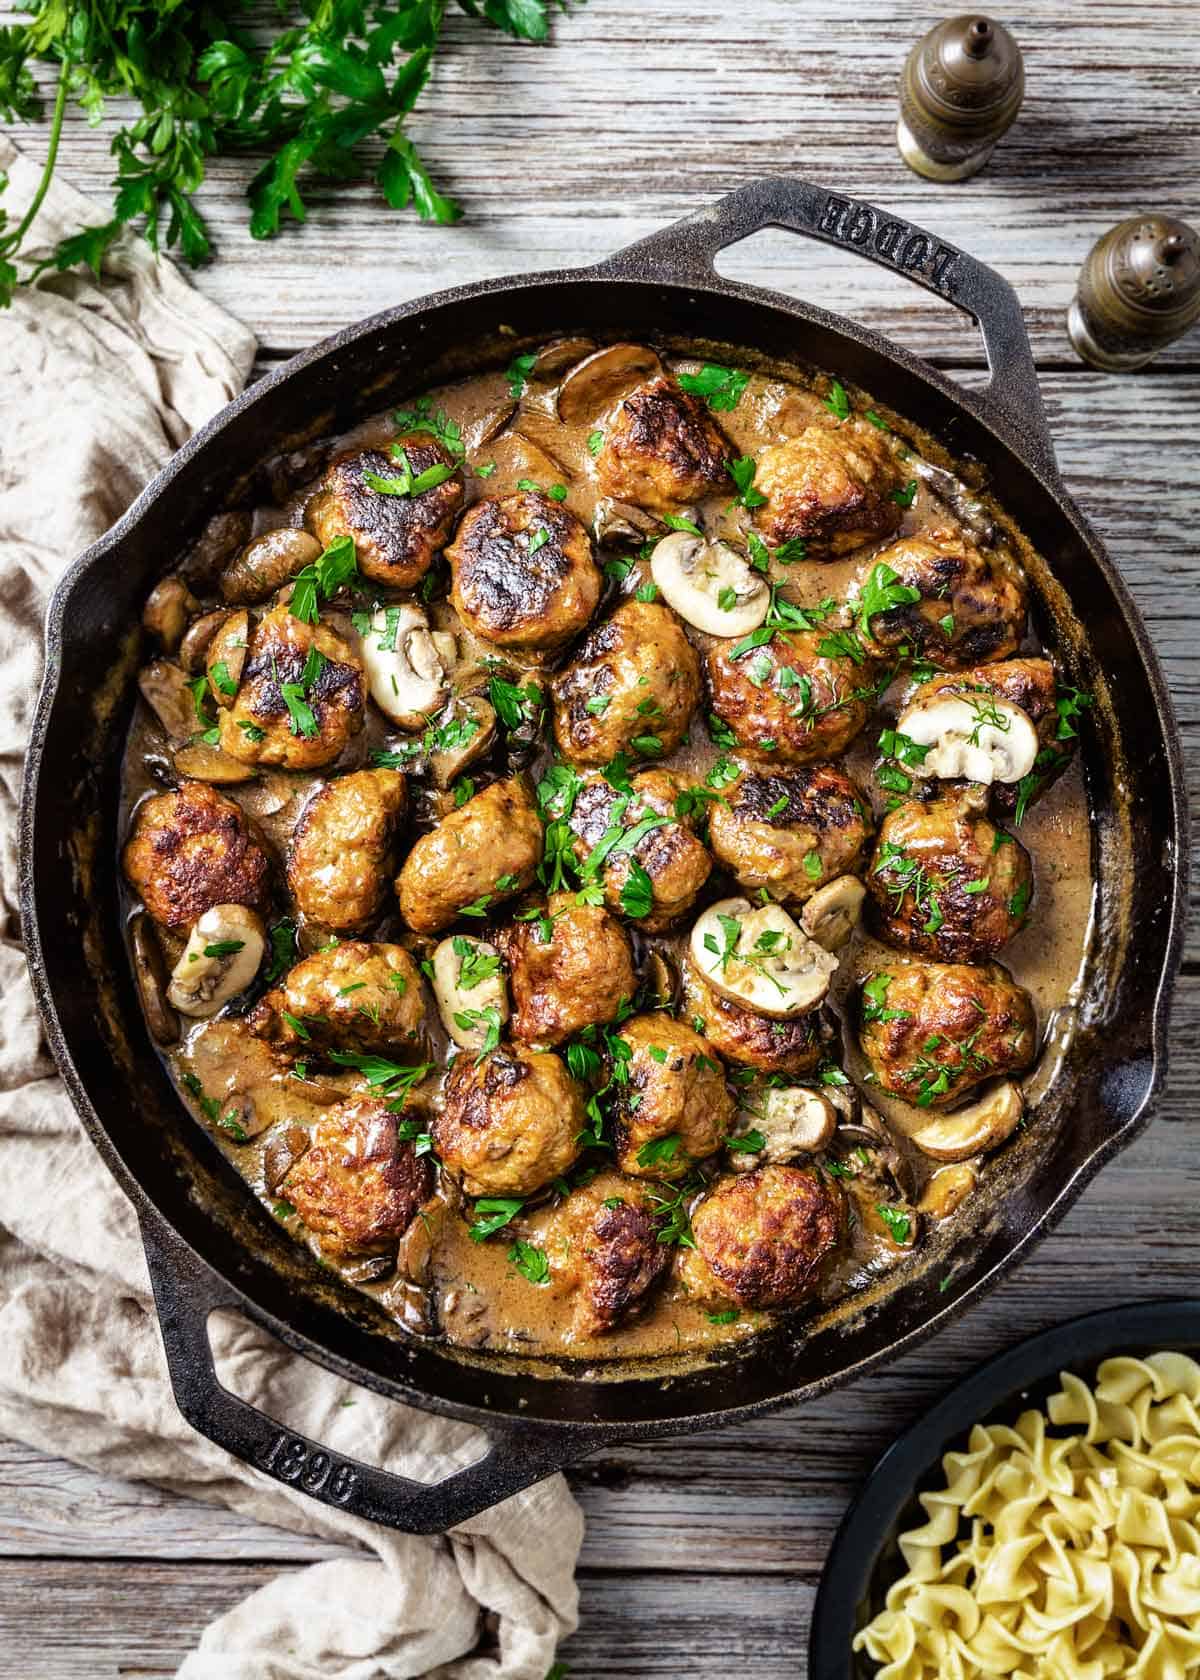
x,y
686,250
186,1292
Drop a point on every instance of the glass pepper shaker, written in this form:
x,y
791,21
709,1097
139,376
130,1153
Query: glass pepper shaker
x,y
1139,288
960,90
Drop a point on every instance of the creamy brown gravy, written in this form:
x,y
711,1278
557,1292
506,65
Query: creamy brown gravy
x,y
477,1298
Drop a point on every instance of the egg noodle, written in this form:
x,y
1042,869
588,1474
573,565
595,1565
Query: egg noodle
x,y
1060,1556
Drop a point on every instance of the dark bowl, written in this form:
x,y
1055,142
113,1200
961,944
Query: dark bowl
x,y
864,1560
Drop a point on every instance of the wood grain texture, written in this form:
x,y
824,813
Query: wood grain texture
x,y
702,1553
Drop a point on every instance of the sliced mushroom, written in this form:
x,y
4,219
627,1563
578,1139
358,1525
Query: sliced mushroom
x,y
150,972
224,951
558,355
792,1119
982,1125
761,958
468,744
168,694
710,584
490,427
955,494
613,518
596,382
661,982
976,736
418,1243
224,534
193,649
168,607
879,1160
227,657
408,665
200,762
266,564
947,1189
457,1001
832,913
283,1149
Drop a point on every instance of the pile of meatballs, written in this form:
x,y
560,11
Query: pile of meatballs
x,y
495,869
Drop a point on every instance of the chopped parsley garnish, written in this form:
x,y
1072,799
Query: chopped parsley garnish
x,y
729,1316
419,418
225,948
677,522
906,497
252,732
222,679
1069,705
874,1001
517,373
882,592
515,706
646,592
897,1220
467,1020
1018,904
894,744
812,865
475,965
493,1213
283,950
837,402
747,1143
742,473
530,1261
539,539
337,566
721,734
595,442
659,1151
720,387
392,1080
637,892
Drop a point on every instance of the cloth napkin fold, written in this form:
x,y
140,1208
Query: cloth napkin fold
x,y
100,380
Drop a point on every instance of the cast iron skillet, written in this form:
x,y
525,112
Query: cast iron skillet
x,y
208,1243
865,1559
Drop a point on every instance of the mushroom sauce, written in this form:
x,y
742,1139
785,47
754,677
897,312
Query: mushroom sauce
x,y
493,1269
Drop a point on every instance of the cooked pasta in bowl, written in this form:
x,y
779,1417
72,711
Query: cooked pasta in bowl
x,y
1061,1531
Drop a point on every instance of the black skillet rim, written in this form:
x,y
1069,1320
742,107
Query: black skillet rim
x,y
1078,1344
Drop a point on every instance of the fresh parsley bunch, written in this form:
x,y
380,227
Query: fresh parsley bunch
x,y
325,77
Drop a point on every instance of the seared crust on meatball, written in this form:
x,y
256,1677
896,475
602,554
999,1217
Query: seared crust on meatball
x,y
672,856
971,608
341,851
663,451
396,538
933,1031
315,669
766,1237
830,487
190,850
790,831
523,572
632,687
577,978
353,996
794,1045
613,1251
358,1188
1029,684
511,1121
787,702
673,1089
947,883
490,847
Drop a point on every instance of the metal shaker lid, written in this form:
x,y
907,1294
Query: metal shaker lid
x,y
968,71
1153,262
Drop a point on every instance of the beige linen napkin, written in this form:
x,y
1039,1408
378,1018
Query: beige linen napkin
x,y
99,382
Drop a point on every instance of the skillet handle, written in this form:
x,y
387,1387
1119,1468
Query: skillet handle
x,y
685,251
186,1292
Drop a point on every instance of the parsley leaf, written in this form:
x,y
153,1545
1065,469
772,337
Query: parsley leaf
x,y
720,387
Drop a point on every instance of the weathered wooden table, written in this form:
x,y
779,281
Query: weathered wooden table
x,y
702,1555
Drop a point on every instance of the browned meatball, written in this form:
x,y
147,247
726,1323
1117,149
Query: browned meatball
x,y
578,977
479,855
353,996
358,1188
789,702
792,831
302,696
830,488
764,1238
933,1031
663,451
675,861
632,687
971,608
673,1106
523,572
1029,684
341,851
190,850
612,1250
795,1045
511,1121
396,538
945,882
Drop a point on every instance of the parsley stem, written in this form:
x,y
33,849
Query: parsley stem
x,y
13,243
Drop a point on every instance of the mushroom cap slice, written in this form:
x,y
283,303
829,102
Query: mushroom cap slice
x,y
833,912
792,1119
223,954
459,1004
407,664
168,607
761,958
200,762
696,575
977,736
983,1124
594,384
